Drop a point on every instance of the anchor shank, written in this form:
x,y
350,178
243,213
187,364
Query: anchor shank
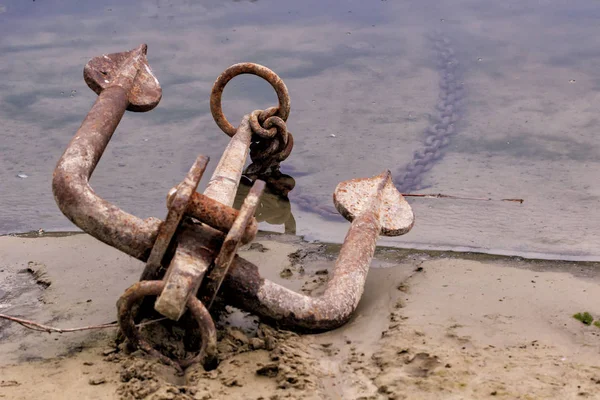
x,y
184,279
225,180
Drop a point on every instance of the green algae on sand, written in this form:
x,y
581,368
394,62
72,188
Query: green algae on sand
x,y
585,317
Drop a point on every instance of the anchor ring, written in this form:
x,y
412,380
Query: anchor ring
x,y
283,110
207,355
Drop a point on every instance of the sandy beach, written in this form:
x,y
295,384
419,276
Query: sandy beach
x,y
430,325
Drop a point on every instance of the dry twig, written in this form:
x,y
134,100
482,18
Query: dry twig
x,y
50,329
447,196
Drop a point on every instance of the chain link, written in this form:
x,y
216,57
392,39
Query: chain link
x,y
271,144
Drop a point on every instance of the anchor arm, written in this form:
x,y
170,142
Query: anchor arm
x,y
246,289
76,198
375,207
117,79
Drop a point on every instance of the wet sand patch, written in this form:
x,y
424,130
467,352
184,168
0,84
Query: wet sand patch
x,y
429,326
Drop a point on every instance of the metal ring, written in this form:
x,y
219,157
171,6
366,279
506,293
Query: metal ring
x,y
246,68
208,333
285,153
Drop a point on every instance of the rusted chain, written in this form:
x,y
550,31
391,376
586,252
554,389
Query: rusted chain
x,y
272,143
257,129
267,154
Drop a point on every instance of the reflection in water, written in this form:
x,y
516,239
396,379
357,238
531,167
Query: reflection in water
x,y
274,207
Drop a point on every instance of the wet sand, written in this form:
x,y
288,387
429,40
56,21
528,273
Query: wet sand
x,y
429,326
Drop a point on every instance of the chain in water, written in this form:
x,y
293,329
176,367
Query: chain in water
x,y
437,134
443,124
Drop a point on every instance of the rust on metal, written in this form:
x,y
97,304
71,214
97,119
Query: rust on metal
x,y
136,293
178,205
352,197
232,242
244,287
184,275
70,183
226,178
283,110
200,259
110,70
216,215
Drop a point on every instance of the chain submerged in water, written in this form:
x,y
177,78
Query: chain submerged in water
x,y
443,125
438,134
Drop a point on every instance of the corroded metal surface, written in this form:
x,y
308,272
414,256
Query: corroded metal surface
x,y
272,142
283,111
232,242
226,178
179,203
352,197
184,275
136,293
217,215
109,70
204,255
70,183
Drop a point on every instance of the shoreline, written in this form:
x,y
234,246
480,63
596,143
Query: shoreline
x,y
461,251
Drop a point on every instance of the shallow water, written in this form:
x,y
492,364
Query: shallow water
x,y
365,72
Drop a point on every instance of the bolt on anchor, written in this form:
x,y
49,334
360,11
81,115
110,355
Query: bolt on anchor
x,y
191,255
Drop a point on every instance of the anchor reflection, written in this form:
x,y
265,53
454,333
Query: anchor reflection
x,y
274,207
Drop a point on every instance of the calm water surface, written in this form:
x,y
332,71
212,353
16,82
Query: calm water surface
x,y
364,79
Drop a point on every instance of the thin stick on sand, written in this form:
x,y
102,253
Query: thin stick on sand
x,y
447,196
51,329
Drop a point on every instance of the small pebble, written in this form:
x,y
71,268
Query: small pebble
x,y
257,344
97,381
108,351
238,335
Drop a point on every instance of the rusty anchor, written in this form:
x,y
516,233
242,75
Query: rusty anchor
x,y
191,255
